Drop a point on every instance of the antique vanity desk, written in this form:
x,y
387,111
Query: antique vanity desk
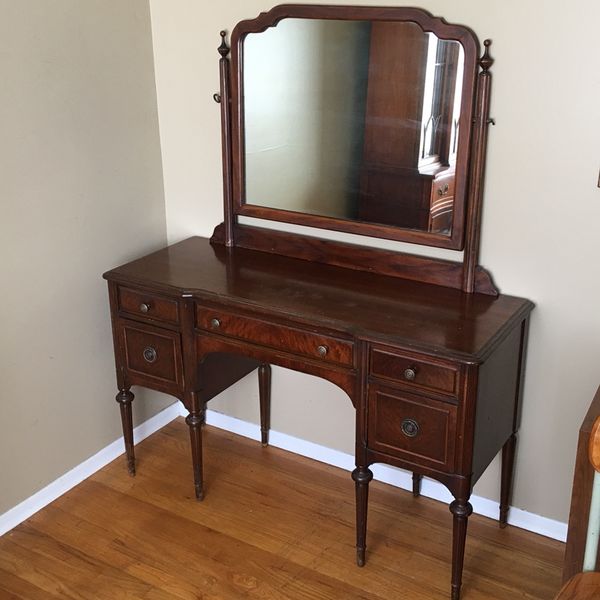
x,y
429,353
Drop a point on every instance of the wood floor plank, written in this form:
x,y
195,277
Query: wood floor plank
x,y
272,526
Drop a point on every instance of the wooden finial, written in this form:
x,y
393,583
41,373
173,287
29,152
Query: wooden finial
x,y
486,61
223,48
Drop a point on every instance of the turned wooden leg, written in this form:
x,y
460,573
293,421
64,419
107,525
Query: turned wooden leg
x,y
416,481
361,476
461,509
264,392
508,463
194,421
125,398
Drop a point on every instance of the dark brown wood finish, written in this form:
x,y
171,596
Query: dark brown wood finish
x,y
264,391
361,258
432,372
482,122
583,478
428,351
224,99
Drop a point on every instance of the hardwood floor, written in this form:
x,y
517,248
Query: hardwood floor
x,y
272,526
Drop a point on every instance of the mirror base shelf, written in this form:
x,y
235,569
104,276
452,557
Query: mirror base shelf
x,y
424,269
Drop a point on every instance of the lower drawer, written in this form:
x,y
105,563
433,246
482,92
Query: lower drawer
x,y
417,429
151,353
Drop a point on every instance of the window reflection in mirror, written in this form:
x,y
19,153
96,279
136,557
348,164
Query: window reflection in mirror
x,y
353,119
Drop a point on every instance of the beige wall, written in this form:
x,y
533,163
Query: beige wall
x,y
304,96
540,227
80,192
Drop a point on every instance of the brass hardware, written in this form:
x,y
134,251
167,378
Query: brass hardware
x,y
322,350
410,373
443,191
410,428
215,323
145,307
150,354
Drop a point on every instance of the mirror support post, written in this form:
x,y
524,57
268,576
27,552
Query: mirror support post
x,y
225,101
480,132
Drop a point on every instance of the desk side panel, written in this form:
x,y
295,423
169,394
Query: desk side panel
x,y
497,400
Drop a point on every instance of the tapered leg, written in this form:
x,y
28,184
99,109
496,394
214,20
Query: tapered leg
x,y
194,421
125,398
264,392
461,509
508,463
416,481
361,476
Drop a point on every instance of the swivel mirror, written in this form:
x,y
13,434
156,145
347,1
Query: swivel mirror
x,y
356,121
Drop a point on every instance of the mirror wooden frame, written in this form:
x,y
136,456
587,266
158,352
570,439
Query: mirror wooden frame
x,y
465,275
427,23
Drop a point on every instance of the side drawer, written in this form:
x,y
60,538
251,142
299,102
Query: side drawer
x,y
274,335
138,303
152,353
418,371
419,430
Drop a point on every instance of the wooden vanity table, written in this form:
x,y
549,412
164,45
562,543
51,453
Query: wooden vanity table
x,y
429,353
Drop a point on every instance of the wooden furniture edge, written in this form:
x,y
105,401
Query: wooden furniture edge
x,y
580,495
423,269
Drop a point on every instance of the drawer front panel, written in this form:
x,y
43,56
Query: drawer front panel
x,y
416,429
415,370
149,306
280,337
152,352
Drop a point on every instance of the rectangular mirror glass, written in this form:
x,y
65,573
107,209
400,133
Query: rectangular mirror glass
x,y
354,120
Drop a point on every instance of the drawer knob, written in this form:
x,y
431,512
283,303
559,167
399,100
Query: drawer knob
x,y
410,373
215,323
150,354
322,350
441,191
410,428
145,307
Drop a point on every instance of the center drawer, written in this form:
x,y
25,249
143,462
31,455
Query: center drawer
x,y
274,335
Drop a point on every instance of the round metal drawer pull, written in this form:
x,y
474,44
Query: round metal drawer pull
x,y
322,350
215,323
410,428
150,354
145,307
410,373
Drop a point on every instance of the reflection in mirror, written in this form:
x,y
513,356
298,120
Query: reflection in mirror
x,y
355,120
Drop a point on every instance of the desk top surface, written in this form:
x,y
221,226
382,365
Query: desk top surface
x,y
374,307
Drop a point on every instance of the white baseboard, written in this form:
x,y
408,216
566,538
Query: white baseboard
x,y
64,483
387,474
396,477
